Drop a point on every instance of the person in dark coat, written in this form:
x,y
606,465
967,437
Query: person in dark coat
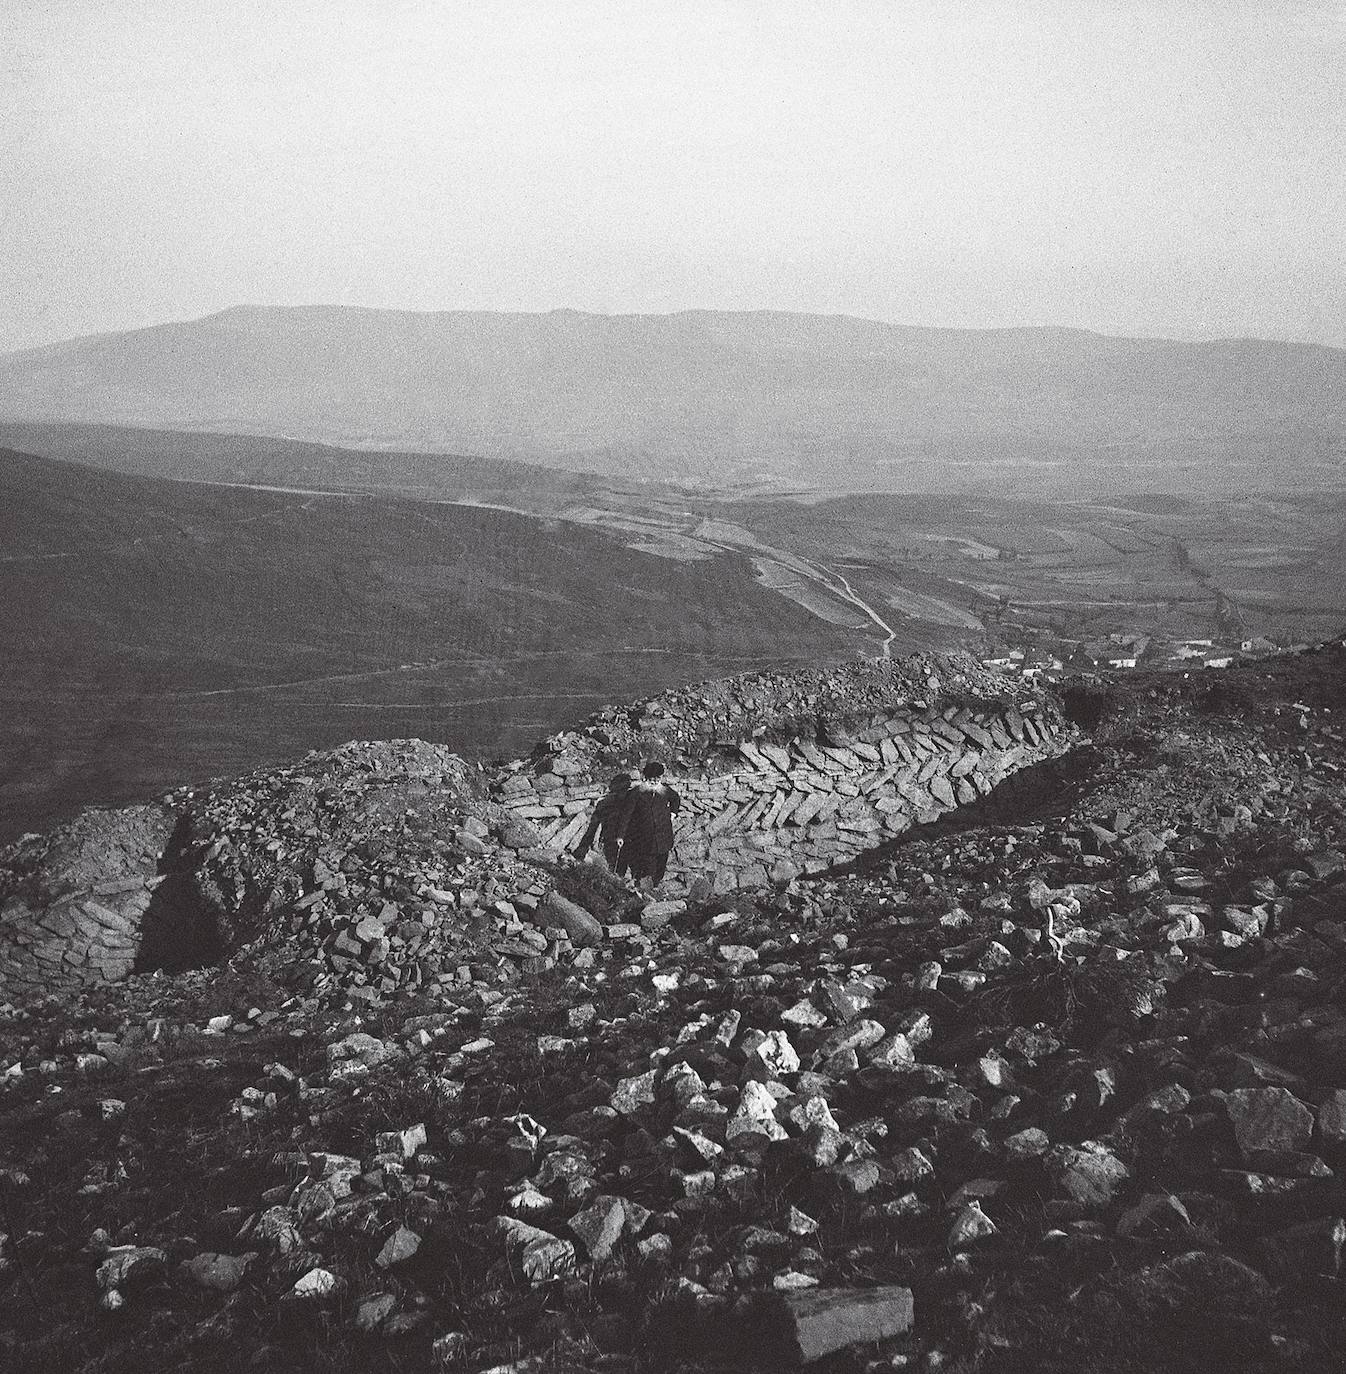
x,y
609,816
647,829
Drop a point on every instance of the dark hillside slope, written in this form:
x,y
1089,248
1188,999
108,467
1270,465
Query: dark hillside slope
x,y
151,631
829,400
263,460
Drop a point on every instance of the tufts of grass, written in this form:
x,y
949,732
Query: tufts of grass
x,y
1082,1000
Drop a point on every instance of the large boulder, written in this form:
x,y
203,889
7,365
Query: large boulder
x,y
816,1322
1089,1174
582,927
1268,1119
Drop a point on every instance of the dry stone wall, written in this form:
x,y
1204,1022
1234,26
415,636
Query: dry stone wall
x,y
778,810
72,903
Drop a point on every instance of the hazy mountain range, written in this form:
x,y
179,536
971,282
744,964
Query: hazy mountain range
x,y
705,396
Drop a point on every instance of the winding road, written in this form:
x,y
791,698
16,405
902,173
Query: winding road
x,y
849,594
828,578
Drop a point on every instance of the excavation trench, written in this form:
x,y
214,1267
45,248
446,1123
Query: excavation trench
x,y
1039,793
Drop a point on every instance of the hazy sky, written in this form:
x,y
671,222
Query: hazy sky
x,y
1170,167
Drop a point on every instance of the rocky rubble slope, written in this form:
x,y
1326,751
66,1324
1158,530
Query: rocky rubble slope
x,y
1054,1083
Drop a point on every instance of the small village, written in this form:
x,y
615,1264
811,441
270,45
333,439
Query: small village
x,y
1051,657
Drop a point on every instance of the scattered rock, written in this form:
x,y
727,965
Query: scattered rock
x,y
126,1268
1154,1214
1089,1174
599,1226
318,1285
1228,1301
1268,1119
969,1226
540,1256
374,1310
222,1273
819,1321
398,1248
582,927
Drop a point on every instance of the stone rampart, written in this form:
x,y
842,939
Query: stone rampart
x,y
379,863
760,811
72,903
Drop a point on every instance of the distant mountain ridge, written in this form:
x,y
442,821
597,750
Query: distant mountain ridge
x,y
832,401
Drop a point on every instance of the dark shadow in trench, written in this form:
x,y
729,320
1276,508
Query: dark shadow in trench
x,y
179,930
1040,792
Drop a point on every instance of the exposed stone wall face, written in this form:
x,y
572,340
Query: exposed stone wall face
x,y
72,903
779,810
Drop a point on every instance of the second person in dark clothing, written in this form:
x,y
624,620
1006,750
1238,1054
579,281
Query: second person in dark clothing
x,y
608,819
647,827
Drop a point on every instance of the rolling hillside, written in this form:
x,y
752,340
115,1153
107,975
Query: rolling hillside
x,y
827,401
154,630
266,461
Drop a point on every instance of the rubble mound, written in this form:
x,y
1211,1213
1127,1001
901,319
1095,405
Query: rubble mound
x,y
1058,1090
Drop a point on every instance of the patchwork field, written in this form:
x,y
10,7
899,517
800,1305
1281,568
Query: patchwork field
x,y
1249,564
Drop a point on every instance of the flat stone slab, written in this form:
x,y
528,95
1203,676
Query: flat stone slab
x,y
818,1321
